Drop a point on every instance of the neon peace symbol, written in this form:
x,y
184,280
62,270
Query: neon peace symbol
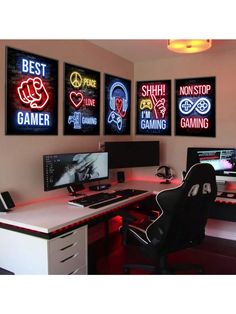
x,y
75,79
202,106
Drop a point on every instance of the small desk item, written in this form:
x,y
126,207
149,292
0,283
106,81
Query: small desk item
x,y
6,202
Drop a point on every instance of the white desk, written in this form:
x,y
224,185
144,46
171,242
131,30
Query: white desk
x,y
50,237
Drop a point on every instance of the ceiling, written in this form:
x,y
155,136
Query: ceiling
x,y
147,50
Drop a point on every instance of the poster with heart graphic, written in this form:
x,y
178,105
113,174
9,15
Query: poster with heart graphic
x,y
81,101
32,94
117,105
153,108
195,107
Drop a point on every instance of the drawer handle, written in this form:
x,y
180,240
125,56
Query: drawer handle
x,y
66,235
66,259
74,272
68,246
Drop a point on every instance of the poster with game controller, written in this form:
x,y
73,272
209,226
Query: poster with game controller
x,y
31,94
195,107
81,101
117,105
153,109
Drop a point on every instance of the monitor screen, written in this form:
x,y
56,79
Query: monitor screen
x,y
61,170
223,161
132,154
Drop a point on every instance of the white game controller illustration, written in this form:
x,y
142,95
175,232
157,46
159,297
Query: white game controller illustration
x,y
116,118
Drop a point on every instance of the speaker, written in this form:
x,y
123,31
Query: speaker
x,y
120,176
6,202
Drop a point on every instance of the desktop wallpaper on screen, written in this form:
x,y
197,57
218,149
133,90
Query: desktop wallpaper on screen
x,y
32,93
117,105
81,100
153,107
195,107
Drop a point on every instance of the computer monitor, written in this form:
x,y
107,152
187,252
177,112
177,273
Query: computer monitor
x,y
132,154
63,170
223,161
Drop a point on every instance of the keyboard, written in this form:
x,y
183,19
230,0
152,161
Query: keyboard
x,y
104,199
120,195
229,195
86,201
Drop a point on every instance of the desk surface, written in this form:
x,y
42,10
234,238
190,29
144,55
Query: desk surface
x,y
51,215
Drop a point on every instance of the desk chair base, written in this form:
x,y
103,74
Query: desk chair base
x,y
164,268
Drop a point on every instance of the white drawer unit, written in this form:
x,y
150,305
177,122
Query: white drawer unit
x,y
68,252
63,255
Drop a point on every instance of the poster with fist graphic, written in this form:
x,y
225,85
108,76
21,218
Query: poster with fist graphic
x,y
81,101
153,108
32,94
117,105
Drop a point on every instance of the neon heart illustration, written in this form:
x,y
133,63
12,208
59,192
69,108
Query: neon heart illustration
x,y
119,106
76,99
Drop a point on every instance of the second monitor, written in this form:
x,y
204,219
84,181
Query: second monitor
x,y
131,154
223,161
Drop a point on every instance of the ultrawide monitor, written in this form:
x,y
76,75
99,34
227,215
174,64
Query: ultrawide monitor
x,y
61,170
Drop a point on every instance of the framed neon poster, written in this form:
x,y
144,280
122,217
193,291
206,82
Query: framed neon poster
x,y
81,101
195,107
153,111
117,105
32,94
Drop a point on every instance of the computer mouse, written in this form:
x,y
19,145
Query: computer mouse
x,y
230,195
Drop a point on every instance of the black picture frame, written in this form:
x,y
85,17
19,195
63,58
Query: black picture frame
x,y
153,107
81,100
31,94
117,105
195,107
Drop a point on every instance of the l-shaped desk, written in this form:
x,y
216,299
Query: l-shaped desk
x,y
50,237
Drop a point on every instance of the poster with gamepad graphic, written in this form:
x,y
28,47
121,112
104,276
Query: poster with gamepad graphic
x,y
117,105
81,101
195,107
32,94
153,109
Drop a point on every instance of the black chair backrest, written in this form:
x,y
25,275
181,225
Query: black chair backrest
x,y
185,209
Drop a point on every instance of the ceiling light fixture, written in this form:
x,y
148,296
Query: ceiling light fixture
x,y
189,45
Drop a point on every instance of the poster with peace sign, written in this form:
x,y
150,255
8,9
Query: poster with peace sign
x,y
32,94
195,107
81,101
117,105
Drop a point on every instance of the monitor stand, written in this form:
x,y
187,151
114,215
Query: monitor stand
x,y
74,188
100,187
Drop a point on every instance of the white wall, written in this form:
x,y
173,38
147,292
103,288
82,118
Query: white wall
x,y
21,156
222,65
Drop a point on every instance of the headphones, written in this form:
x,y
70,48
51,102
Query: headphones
x,y
113,99
166,173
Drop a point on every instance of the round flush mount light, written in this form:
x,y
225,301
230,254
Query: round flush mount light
x,y
189,45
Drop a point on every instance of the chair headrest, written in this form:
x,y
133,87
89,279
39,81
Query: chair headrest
x,y
199,172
